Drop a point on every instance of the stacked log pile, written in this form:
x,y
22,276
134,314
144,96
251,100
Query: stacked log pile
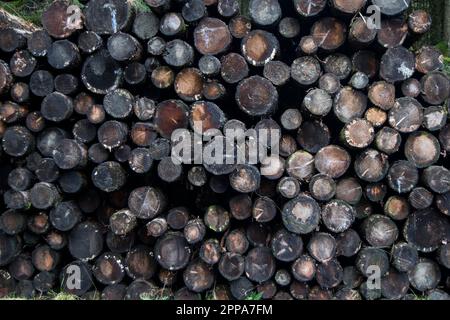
x,y
356,205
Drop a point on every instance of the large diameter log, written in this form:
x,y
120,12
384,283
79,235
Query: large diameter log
x,y
256,96
392,7
301,215
108,16
61,19
397,64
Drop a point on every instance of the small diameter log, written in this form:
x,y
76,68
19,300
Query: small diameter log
x,y
206,116
11,40
82,232
263,12
39,43
209,65
236,241
406,115
188,84
109,268
300,165
20,92
72,181
380,231
21,268
329,274
38,223
444,137
69,154
435,118
348,243
162,77
44,195
397,208
245,179
388,140
124,47
17,141
135,74
286,246
404,256
122,222
217,218
11,112
240,206
322,187
422,149
360,34
397,64
382,94
11,247
437,178
304,268
66,83
289,27
318,102
194,231
107,16
308,45
277,72
12,222
169,171
17,199
443,203
234,68
156,46
420,198
425,275
367,62
108,176
22,63
264,209
177,218
210,252
118,103
332,161
392,8
419,21
171,24
411,88
259,264
41,83
435,87
306,70
146,202
359,80
63,54
371,165
338,64
259,47
85,280
44,258
402,176
231,266
211,36
392,33
288,145
322,247
20,179
288,187
301,215
65,215
309,8
338,216
101,73
198,277
194,10
358,133
256,96
368,259
429,59
239,26
178,53
349,104
329,33
112,134
6,78
313,136
170,115
172,251
197,176
140,263
89,42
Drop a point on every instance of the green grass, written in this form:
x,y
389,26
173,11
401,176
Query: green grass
x,y
31,10
48,296
254,296
443,47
